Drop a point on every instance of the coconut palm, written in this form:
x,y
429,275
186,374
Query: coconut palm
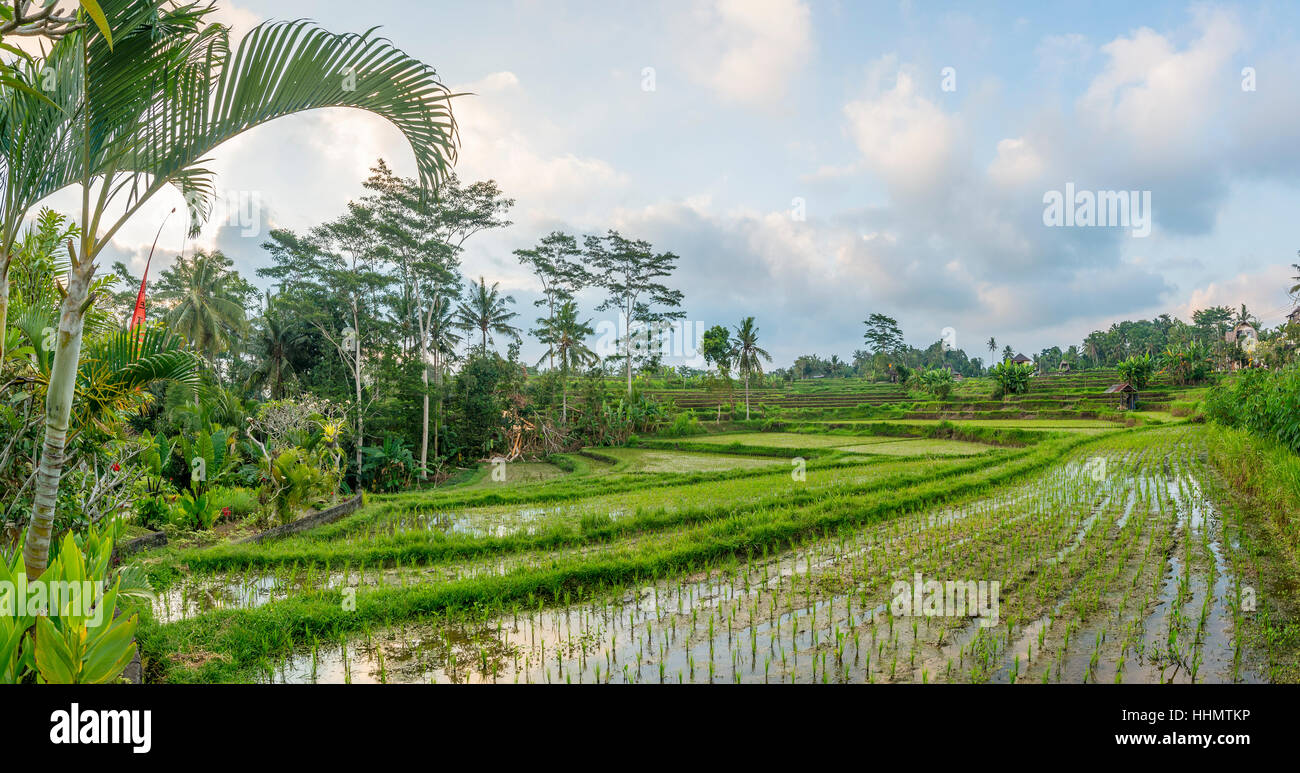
x,y
564,335
207,302
277,341
992,346
488,312
141,112
747,355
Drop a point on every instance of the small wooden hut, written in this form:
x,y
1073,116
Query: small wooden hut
x,y
1128,396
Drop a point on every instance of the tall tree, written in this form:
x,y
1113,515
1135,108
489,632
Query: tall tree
x,y
441,346
883,334
556,261
487,311
747,355
630,270
564,335
424,240
715,346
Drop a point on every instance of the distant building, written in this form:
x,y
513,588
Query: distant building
x,y
1294,316
1064,367
1240,332
1021,359
1128,396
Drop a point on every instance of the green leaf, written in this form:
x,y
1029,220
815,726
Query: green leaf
x,y
91,7
54,659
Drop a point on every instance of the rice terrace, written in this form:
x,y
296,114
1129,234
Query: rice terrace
x,y
695,342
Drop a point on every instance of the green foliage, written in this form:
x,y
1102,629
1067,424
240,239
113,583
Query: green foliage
x,y
296,481
937,382
390,467
240,501
195,513
82,642
152,512
1136,370
684,424
1265,403
1011,378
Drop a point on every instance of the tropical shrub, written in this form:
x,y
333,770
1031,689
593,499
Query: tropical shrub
x,y
195,512
937,382
152,512
390,467
238,501
84,642
1010,378
683,425
295,482
1263,402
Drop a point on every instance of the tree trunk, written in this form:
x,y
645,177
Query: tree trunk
x,y
424,432
4,307
564,398
437,420
58,411
746,398
628,349
356,371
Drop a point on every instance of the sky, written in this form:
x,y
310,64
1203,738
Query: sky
x,y
815,162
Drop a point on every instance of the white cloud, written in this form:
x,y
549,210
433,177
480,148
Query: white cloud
x,y
1017,163
1159,98
1263,292
904,137
748,50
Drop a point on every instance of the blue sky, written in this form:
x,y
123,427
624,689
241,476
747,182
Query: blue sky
x,y
922,203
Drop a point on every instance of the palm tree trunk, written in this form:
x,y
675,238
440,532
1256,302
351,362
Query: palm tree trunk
x,y
4,306
746,398
58,412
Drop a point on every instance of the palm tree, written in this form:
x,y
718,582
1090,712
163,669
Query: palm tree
x,y
747,356
140,113
992,346
1008,353
564,334
277,342
487,311
1295,288
440,326
208,306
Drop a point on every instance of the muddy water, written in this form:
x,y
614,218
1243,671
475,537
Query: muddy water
x,y
822,613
